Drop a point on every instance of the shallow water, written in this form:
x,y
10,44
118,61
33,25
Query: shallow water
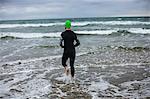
x,y
95,77
22,49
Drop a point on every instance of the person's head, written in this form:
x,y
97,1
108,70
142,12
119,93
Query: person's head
x,y
67,24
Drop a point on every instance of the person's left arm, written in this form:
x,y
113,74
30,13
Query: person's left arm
x,y
77,41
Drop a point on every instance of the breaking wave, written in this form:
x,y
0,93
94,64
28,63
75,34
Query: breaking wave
x,y
84,23
137,48
127,48
15,35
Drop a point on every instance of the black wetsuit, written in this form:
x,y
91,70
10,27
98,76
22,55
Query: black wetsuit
x,y
69,37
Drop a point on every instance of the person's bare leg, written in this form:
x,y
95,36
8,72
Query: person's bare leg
x,y
66,70
64,60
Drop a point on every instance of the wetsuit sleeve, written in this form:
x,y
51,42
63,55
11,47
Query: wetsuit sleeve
x,y
77,41
61,41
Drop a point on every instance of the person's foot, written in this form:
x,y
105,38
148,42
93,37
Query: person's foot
x,y
66,71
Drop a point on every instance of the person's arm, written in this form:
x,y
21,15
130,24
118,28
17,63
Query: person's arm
x,y
61,41
77,41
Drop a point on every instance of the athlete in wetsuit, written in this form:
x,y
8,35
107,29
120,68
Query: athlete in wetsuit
x,y
67,42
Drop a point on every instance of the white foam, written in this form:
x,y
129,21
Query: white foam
x,y
121,64
139,30
57,34
30,35
102,85
38,59
32,60
20,72
110,23
41,25
28,25
144,89
4,88
103,32
64,78
124,22
95,32
37,87
75,24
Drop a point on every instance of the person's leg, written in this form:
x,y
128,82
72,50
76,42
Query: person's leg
x,y
64,60
72,59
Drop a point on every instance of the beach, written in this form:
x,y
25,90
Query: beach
x,y
112,62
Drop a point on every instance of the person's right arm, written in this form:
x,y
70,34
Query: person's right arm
x,y
61,41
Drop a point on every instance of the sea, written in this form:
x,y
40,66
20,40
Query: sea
x,y
112,61
36,38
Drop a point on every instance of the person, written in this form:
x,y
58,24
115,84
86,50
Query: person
x,y
67,42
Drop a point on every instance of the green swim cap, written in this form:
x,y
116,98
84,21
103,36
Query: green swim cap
x,y
68,24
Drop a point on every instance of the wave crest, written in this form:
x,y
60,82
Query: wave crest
x,y
134,49
121,33
84,23
129,32
9,37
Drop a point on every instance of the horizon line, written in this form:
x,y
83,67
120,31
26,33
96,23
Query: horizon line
x,y
70,18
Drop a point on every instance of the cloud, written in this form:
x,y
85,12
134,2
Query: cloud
x,y
24,9
115,1
30,10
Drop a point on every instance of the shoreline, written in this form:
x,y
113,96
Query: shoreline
x,y
92,79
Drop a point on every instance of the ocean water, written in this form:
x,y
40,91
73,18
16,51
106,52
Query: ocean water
x,y
113,60
29,39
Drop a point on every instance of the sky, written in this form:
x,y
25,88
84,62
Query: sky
x,y
41,9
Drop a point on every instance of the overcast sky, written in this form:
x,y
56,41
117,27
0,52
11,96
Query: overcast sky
x,y
33,9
